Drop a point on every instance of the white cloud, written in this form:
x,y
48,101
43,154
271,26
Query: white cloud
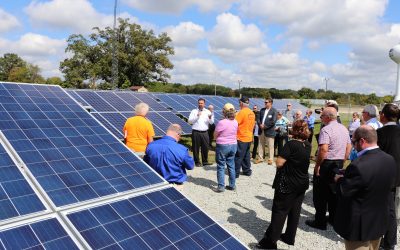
x,y
7,21
178,6
77,15
37,49
317,18
186,34
232,40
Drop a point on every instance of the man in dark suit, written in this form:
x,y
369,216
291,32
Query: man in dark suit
x,y
266,123
389,142
363,193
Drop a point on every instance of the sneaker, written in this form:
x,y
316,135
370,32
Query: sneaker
x,y
230,188
220,190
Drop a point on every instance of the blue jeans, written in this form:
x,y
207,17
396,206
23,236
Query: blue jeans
x,y
225,154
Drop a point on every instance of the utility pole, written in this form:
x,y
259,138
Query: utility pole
x,y
114,67
240,95
326,84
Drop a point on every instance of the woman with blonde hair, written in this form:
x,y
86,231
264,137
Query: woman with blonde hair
x,y
290,184
225,137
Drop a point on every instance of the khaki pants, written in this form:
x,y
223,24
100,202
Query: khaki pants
x,y
261,146
362,245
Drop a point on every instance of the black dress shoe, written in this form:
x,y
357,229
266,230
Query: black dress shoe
x,y
266,244
246,174
314,224
198,165
207,164
285,240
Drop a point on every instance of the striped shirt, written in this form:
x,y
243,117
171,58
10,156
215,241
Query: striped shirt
x,y
337,137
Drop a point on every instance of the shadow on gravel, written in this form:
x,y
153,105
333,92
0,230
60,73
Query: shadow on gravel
x,y
247,220
266,202
304,215
202,181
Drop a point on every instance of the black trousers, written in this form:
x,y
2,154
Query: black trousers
x,y
324,197
255,147
200,140
284,205
211,129
311,135
242,158
390,237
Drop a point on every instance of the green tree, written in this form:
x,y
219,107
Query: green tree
x,y
142,56
306,93
15,69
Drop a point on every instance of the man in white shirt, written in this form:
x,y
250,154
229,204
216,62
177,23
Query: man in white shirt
x,y
200,119
369,114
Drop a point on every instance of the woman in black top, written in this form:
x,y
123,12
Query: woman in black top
x,y
290,184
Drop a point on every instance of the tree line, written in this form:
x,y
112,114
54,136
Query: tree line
x,y
143,60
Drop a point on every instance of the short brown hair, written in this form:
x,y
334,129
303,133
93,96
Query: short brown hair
x,y
300,130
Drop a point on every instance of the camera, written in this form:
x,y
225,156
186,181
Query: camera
x,y
318,111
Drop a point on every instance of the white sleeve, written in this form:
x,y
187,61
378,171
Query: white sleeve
x,y
193,116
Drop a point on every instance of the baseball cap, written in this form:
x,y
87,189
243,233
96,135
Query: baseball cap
x,y
244,99
229,106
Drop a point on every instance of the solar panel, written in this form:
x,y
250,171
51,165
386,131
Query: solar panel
x,y
151,101
71,155
94,100
116,102
46,234
160,219
16,195
172,118
108,125
171,102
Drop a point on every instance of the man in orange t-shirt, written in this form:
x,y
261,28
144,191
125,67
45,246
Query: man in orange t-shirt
x,y
138,130
246,121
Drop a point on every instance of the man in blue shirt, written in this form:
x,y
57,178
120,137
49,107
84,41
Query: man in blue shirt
x,y
169,158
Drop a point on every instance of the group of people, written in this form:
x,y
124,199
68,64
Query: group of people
x,y
359,198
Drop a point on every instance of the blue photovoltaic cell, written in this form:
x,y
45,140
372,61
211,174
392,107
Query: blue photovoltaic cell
x,y
108,125
16,195
172,118
71,155
171,102
152,221
151,101
94,100
78,98
113,99
46,234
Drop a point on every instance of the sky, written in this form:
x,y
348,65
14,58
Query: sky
x,y
284,44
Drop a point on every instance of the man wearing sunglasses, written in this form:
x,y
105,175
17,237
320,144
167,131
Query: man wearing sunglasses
x,y
266,123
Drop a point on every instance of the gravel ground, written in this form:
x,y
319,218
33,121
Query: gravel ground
x,y
246,212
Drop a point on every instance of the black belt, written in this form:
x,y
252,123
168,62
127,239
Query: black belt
x,y
200,131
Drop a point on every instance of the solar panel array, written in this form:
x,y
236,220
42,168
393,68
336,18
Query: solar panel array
x,y
67,183
112,108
